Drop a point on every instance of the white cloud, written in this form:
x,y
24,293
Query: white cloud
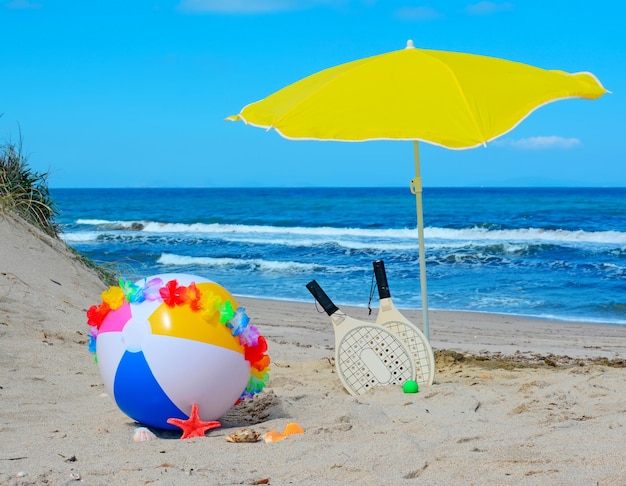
x,y
251,6
540,143
488,8
418,13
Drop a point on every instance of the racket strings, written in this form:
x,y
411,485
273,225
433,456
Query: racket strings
x,y
317,308
369,302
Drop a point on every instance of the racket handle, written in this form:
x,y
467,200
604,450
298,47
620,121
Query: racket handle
x,y
381,279
322,298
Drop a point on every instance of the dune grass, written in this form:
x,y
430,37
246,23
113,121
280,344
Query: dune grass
x,y
24,191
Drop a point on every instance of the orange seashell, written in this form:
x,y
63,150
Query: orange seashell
x,y
272,436
275,436
293,428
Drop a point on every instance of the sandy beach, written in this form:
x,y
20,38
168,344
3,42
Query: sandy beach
x,y
515,401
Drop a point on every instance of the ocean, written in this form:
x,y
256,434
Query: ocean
x,y
546,253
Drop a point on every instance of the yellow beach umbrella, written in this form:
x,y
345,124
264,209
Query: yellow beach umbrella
x,y
451,99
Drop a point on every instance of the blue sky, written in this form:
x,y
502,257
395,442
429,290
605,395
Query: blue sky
x,y
107,93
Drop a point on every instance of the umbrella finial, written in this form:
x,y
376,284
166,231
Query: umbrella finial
x,y
409,44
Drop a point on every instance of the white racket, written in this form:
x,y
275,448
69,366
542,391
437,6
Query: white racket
x,y
366,354
391,318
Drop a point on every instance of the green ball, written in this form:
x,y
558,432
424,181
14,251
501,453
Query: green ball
x,y
410,386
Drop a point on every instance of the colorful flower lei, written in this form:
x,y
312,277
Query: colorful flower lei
x,y
172,294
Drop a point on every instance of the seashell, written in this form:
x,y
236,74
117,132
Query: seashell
x,y
143,434
272,436
275,436
244,435
292,428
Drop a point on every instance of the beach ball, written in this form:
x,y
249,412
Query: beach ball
x,y
170,341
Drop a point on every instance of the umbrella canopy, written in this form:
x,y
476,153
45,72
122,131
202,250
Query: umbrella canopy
x,y
455,100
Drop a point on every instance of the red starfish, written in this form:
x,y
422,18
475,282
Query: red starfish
x,y
193,426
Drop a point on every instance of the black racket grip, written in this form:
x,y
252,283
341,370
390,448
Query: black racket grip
x,y
381,279
322,298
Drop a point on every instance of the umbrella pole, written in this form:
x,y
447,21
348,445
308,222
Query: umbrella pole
x,y
416,188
